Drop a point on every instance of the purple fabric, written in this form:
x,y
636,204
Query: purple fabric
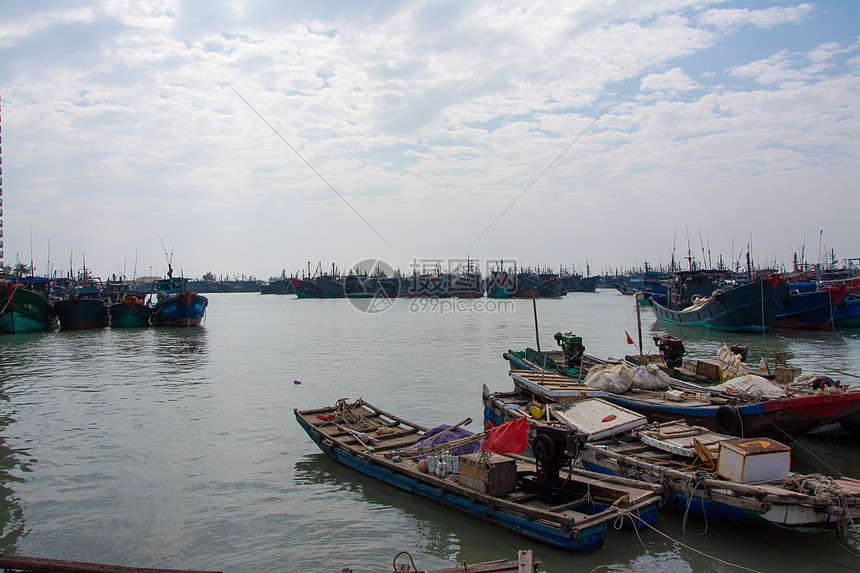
x,y
441,435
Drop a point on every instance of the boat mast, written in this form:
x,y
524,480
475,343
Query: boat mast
x,y
1,198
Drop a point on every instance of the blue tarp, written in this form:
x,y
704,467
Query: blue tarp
x,y
441,435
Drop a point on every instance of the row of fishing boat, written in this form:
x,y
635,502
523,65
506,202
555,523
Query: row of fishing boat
x,y
35,305
468,283
580,445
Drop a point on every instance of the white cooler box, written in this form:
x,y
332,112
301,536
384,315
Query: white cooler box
x,y
748,460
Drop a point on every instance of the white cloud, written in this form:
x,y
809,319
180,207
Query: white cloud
x,y
429,118
731,18
15,29
674,80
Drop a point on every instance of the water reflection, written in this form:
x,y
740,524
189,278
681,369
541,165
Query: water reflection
x,y
439,531
177,352
12,525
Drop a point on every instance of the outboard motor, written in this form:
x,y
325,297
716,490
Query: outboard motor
x,y
671,349
572,348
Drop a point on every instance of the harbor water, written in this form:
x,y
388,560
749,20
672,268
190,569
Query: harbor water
x,y
178,448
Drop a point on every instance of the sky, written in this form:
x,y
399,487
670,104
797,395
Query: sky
x,y
255,137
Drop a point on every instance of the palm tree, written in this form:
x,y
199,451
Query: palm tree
x,y
20,271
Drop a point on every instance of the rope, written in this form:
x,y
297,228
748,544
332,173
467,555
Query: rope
x,y
798,443
394,561
9,297
632,516
822,486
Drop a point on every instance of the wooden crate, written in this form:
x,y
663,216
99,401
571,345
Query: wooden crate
x,y
710,369
501,477
786,374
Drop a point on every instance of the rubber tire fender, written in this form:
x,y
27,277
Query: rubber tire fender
x,y
728,421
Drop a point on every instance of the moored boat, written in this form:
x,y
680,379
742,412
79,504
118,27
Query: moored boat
x,y
566,508
550,376
130,311
847,314
751,484
748,307
25,306
809,307
176,305
83,308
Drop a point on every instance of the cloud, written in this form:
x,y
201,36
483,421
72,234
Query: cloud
x,y
733,18
428,118
673,81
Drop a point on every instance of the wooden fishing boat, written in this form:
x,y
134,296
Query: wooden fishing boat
x,y
84,308
692,481
685,461
130,311
25,306
749,307
565,508
176,305
726,412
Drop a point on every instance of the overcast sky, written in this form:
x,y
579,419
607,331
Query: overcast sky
x,y
252,137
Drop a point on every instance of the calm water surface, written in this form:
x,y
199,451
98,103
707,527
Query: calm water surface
x,y
178,447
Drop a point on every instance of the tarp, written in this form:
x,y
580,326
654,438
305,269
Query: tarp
x,y
442,435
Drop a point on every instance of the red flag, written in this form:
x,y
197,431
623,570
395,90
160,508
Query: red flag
x,y
509,438
629,340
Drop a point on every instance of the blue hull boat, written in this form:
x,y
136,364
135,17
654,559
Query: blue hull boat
x,y
176,305
809,310
388,448
847,315
749,307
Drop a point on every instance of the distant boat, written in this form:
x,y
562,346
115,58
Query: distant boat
x,y
331,286
176,305
468,283
83,308
526,285
550,285
579,283
130,311
25,306
281,285
749,307
500,284
306,288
